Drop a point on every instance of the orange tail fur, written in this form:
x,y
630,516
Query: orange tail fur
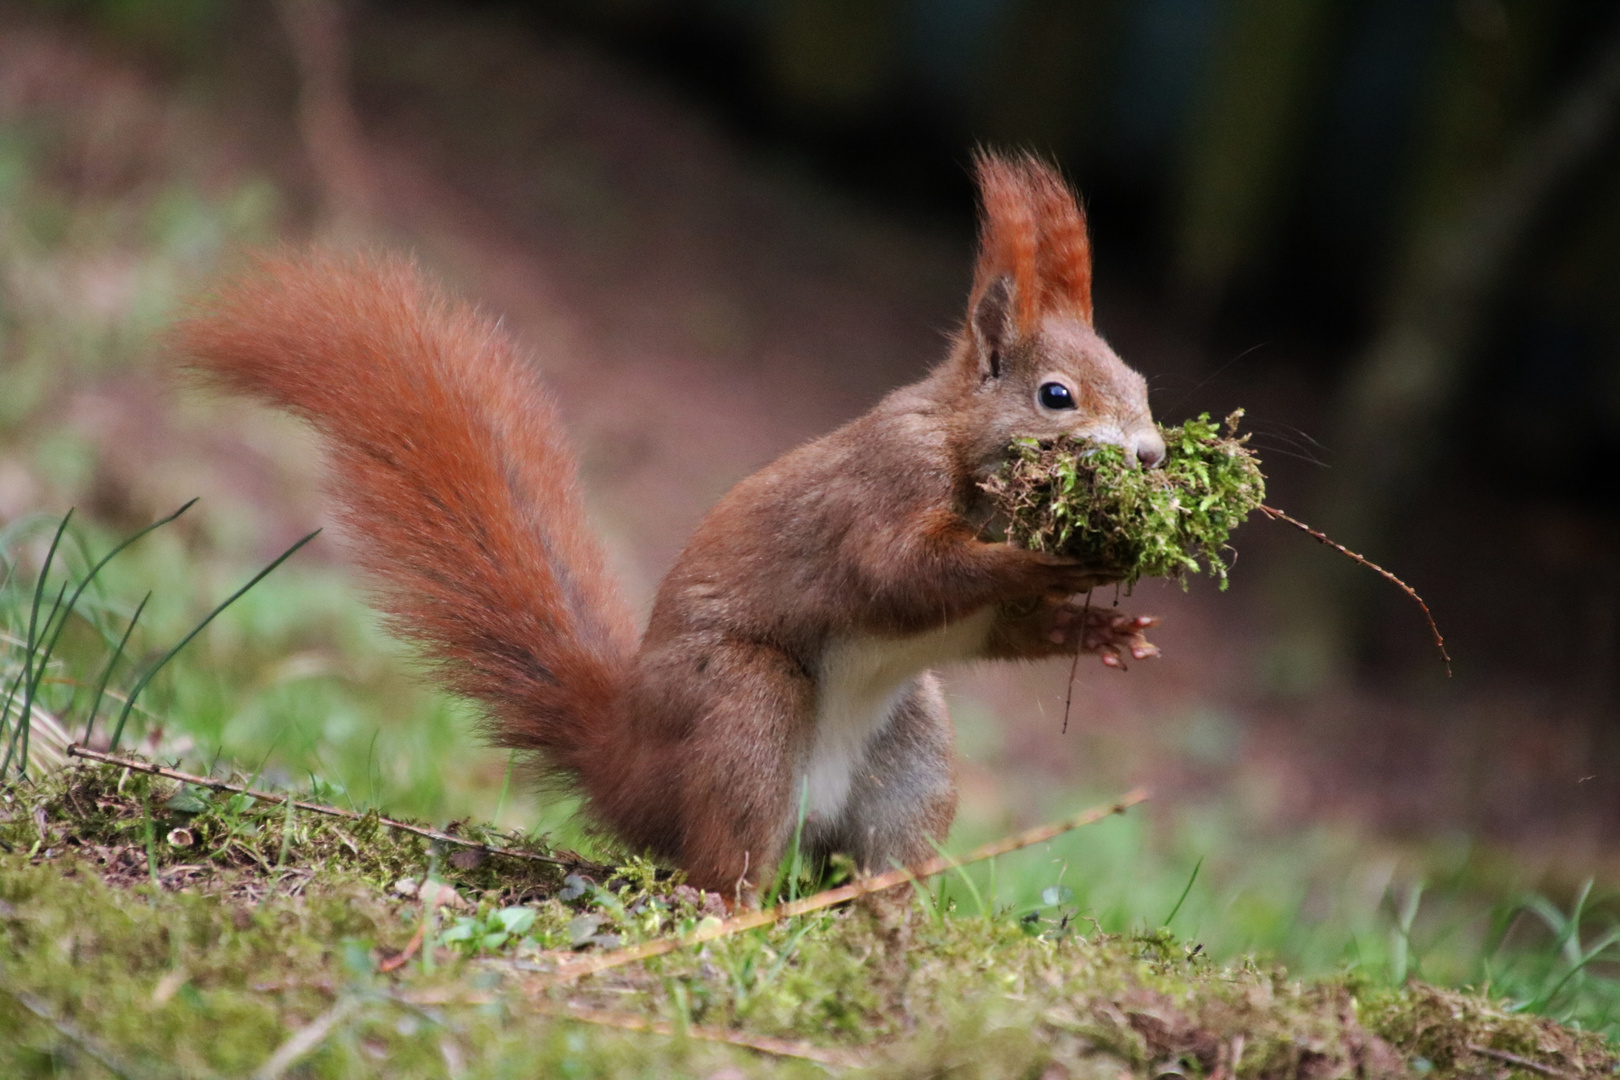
x,y
457,491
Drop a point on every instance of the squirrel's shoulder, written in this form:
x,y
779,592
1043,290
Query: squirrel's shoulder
x,y
900,446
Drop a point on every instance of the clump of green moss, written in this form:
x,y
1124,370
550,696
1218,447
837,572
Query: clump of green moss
x,y
1079,498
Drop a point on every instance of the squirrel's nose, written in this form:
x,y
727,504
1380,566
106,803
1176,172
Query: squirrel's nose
x,y
1149,447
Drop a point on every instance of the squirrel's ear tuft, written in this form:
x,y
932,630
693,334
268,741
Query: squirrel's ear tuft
x,y
1063,257
993,324
1033,231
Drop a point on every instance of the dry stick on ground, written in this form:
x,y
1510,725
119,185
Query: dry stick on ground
x,y
1520,1062
863,887
1439,642
400,959
306,1039
332,811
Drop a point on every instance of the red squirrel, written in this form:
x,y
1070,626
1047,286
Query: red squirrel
x,y
789,657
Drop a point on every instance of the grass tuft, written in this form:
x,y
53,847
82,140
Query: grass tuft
x,y
158,665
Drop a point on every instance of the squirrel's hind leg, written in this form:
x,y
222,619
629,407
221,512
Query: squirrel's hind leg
x,y
902,796
751,722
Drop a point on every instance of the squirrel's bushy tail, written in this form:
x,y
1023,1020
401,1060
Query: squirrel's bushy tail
x,y
455,486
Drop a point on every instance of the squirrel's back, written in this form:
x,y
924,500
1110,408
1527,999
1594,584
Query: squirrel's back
x,y
450,474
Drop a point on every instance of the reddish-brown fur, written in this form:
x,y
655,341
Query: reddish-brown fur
x,y
1034,230
447,465
788,650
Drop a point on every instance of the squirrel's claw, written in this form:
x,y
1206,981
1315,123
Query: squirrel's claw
x,y
1112,635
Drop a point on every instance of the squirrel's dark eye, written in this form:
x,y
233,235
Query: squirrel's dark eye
x,y
1054,395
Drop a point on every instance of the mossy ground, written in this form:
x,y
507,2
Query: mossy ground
x,y
1080,498
167,931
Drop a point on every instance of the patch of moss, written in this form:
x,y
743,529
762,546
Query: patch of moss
x,y
135,827
1464,1033
1079,498
209,973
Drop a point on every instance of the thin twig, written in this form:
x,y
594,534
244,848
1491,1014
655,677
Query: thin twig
x,y
590,965
319,808
1439,642
764,1044
151,672
394,963
1520,1062
1074,666
306,1039
72,1034
1068,697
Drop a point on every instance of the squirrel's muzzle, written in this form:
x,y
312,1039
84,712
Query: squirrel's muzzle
x,y
1147,446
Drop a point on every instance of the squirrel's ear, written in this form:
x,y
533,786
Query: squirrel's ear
x,y
992,325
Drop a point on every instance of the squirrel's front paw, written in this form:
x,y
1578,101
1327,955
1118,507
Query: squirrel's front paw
x,y
1062,576
1111,634
1047,626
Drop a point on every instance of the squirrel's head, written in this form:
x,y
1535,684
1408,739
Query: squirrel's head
x,y
1029,358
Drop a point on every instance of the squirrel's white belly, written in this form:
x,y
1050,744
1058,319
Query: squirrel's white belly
x,y
861,679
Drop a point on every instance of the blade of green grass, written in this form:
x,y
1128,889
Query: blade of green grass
x,y
43,639
506,787
5,714
129,703
1182,899
30,648
112,661
961,872
1400,946
789,868
31,677
90,577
